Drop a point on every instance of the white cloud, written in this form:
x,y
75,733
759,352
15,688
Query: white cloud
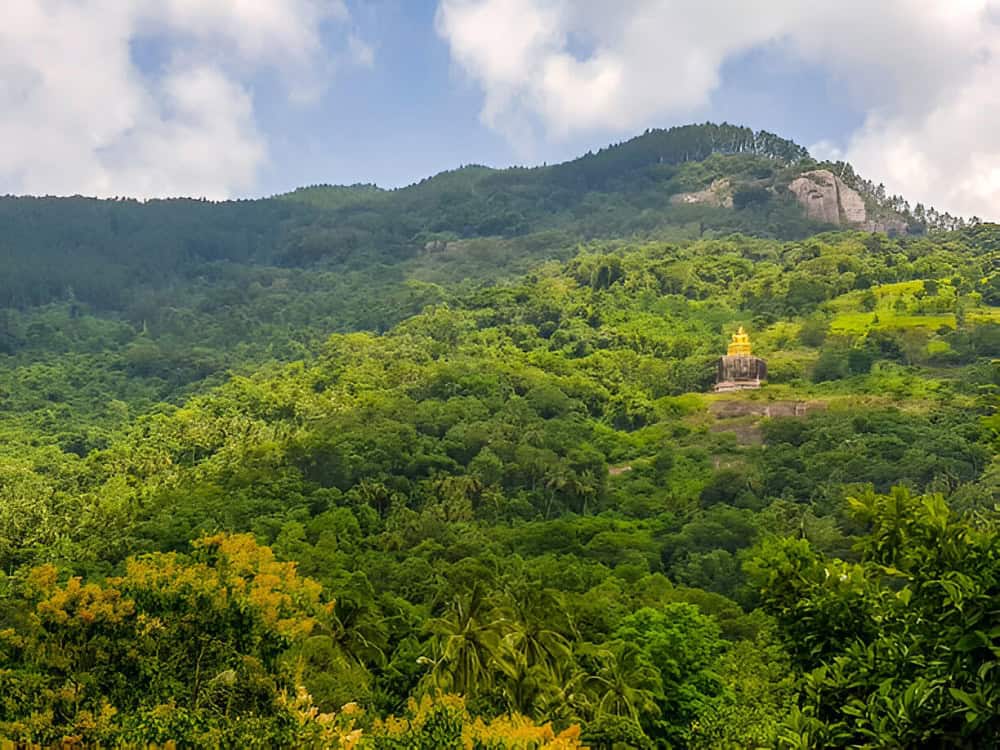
x,y
209,141
79,116
646,59
947,152
925,71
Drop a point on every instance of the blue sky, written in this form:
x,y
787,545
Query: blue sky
x,y
406,117
234,98
414,114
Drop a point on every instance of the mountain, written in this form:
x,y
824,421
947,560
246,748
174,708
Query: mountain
x,y
443,466
187,273
105,253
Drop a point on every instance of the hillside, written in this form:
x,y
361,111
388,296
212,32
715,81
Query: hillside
x,y
107,253
163,297
467,444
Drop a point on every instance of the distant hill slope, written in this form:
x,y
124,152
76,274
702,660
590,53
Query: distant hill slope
x,y
685,182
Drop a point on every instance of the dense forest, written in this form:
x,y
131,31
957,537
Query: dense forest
x,y
442,467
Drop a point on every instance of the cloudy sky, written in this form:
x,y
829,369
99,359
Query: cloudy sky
x,y
223,98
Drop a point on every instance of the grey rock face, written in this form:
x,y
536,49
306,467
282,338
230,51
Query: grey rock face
x,y
888,226
718,194
817,193
828,199
852,206
435,246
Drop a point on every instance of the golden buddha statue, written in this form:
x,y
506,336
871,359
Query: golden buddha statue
x,y
739,370
740,345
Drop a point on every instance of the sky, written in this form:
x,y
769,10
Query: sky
x,y
240,98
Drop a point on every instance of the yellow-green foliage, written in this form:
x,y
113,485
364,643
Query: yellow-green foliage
x,y
856,323
444,721
776,338
197,634
906,305
984,314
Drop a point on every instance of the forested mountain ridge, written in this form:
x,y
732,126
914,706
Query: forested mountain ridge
x,y
190,288
222,525
53,247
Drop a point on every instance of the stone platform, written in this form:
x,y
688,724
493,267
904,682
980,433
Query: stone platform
x,y
738,385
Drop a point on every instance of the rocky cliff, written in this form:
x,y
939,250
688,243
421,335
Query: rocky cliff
x,y
718,194
828,199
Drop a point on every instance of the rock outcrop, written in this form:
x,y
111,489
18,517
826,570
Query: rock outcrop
x,y
744,418
816,191
852,206
733,408
888,226
828,199
436,246
718,194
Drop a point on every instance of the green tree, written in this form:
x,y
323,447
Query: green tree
x,y
899,649
682,645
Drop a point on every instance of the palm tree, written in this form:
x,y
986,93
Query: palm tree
x,y
359,626
559,478
465,644
586,487
535,647
565,697
377,495
543,632
625,682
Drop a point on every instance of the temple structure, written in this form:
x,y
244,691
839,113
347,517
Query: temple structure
x,y
739,370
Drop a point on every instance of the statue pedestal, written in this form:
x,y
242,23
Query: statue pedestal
x,y
737,385
739,372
